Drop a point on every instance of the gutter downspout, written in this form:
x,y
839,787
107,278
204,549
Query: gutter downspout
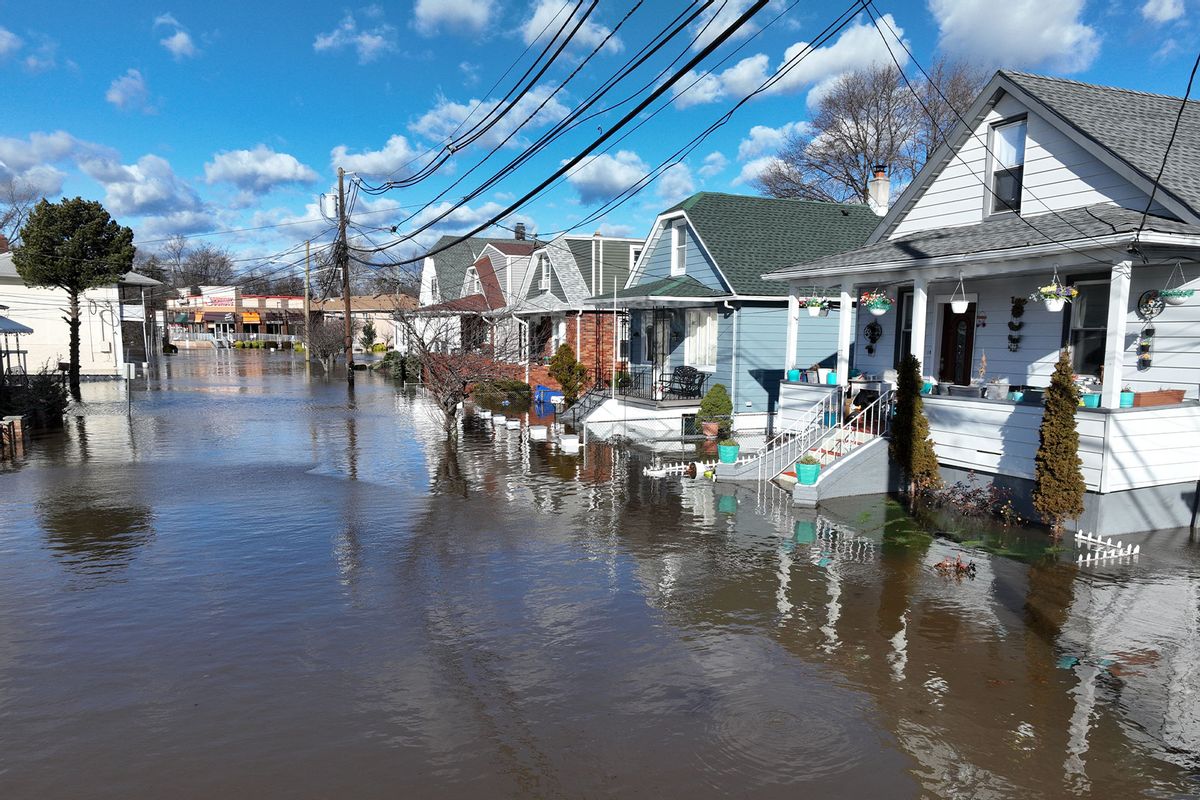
x,y
733,365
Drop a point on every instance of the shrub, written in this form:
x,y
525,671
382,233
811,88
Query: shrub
x,y
380,347
501,393
43,401
412,368
809,458
1057,476
367,337
728,443
569,373
391,363
911,447
716,405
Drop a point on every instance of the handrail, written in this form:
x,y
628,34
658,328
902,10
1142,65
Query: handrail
x,y
874,419
785,447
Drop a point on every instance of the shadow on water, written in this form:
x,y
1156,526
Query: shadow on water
x,y
91,529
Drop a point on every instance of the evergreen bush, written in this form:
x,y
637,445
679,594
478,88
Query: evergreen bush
x,y
569,373
1057,476
716,405
911,446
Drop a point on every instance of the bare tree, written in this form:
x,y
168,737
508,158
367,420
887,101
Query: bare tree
x,y
326,341
205,265
17,199
173,252
869,117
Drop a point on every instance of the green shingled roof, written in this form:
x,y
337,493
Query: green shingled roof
x,y
749,236
682,286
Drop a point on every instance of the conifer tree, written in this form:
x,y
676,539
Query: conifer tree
x,y
1058,477
911,447
570,373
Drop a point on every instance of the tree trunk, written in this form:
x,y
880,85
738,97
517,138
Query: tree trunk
x,y
73,325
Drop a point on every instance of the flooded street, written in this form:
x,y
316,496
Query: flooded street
x,y
258,586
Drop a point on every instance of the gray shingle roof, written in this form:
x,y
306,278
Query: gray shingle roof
x,y
1075,226
1133,126
681,286
451,264
749,236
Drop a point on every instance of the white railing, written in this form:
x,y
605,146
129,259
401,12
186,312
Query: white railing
x,y
861,426
781,451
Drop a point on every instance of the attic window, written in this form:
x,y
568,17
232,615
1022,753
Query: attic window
x,y
1008,165
472,283
544,283
678,249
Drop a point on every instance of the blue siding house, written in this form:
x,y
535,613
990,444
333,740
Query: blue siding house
x,y
697,299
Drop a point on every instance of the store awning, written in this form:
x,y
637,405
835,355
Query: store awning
x,y
199,317
180,319
250,318
8,326
215,316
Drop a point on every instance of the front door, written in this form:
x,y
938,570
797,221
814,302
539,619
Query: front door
x,y
958,342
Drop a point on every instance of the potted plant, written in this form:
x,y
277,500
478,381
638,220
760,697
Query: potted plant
x,y
1127,396
715,410
1175,297
815,305
727,451
876,301
807,469
1054,295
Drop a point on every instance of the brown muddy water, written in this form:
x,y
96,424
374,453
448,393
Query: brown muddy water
x,y
260,586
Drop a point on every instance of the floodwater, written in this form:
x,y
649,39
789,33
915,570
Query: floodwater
x,y
260,586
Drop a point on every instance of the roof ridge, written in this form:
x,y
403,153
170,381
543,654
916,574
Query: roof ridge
x,y
1125,90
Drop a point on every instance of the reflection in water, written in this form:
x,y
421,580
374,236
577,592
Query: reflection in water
x,y
332,601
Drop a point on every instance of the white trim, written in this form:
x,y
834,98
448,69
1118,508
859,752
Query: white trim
x,y
656,232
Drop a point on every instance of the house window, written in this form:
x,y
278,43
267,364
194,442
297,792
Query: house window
x,y
700,346
1089,327
472,282
433,288
1008,165
904,325
678,249
634,254
647,329
544,284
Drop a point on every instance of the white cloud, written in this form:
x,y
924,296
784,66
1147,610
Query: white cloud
x,y
43,148
395,155
168,20
675,184
603,176
725,15
460,220
369,42
471,16
176,222
1029,33
752,169
763,139
858,46
693,89
1156,11
180,45
130,93
259,170
547,18
714,163
9,42
149,187
611,229
441,121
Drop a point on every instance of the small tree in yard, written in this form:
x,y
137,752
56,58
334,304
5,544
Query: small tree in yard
x,y
911,447
73,245
325,341
716,406
1057,476
569,373
367,337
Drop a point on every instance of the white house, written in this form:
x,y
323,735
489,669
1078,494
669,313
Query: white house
x,y
1050,179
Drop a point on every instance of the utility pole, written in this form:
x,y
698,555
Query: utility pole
x,y
343,255
307,307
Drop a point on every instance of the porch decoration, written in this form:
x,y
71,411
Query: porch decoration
x,y
727,451
1127,396
816,305
715,411
1174,293
808,469
1055,295
1058,477
1015,324
873,332
876,301
911,448
958,300
1159,397
1145,348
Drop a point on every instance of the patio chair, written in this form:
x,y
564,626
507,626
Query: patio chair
x,y
683,382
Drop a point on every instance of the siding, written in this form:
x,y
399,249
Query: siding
x,y
1176,351
1059,174
1150,447
761,349
616,266
816,339
698,266
796,400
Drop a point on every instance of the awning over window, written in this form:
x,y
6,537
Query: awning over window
x,y
180,319
215,316
199,317
250,318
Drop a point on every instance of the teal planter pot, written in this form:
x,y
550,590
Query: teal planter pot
x,y
805,531
831,419
1126,399
793,375
727,504
728,453
1016,397
1091,400
831,379
927,387
807,474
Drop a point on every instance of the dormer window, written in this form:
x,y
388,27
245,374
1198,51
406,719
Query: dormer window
x,y
678,249
471,285
544,284
1008,165
433,288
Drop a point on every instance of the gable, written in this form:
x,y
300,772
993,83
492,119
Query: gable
x,y
1060,173
656,260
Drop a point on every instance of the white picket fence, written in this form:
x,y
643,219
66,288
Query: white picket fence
x,y
1101,549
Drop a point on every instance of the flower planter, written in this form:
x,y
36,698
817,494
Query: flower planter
x,y
1126,399
728,453
793,375
1175,297
879,311
1162,397
814,311
1054,304
1016,397
831,378
965,391
959,306
711,429
807,474
1091,400
927,387
831,419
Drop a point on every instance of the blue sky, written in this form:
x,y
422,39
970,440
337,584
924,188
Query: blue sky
x,y
204,118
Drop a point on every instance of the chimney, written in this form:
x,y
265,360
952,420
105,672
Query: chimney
x,y
3,243
879,189
519,231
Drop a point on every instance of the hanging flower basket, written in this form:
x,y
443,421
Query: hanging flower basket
x,y
1055,295
958,301
816,305
876,301
1175,297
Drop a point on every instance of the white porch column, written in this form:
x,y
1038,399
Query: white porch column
x,y
845,319
1114,343
793,321
920,308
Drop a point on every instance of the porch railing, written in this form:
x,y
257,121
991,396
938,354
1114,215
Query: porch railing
x,y
783,449
642,386
862,425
